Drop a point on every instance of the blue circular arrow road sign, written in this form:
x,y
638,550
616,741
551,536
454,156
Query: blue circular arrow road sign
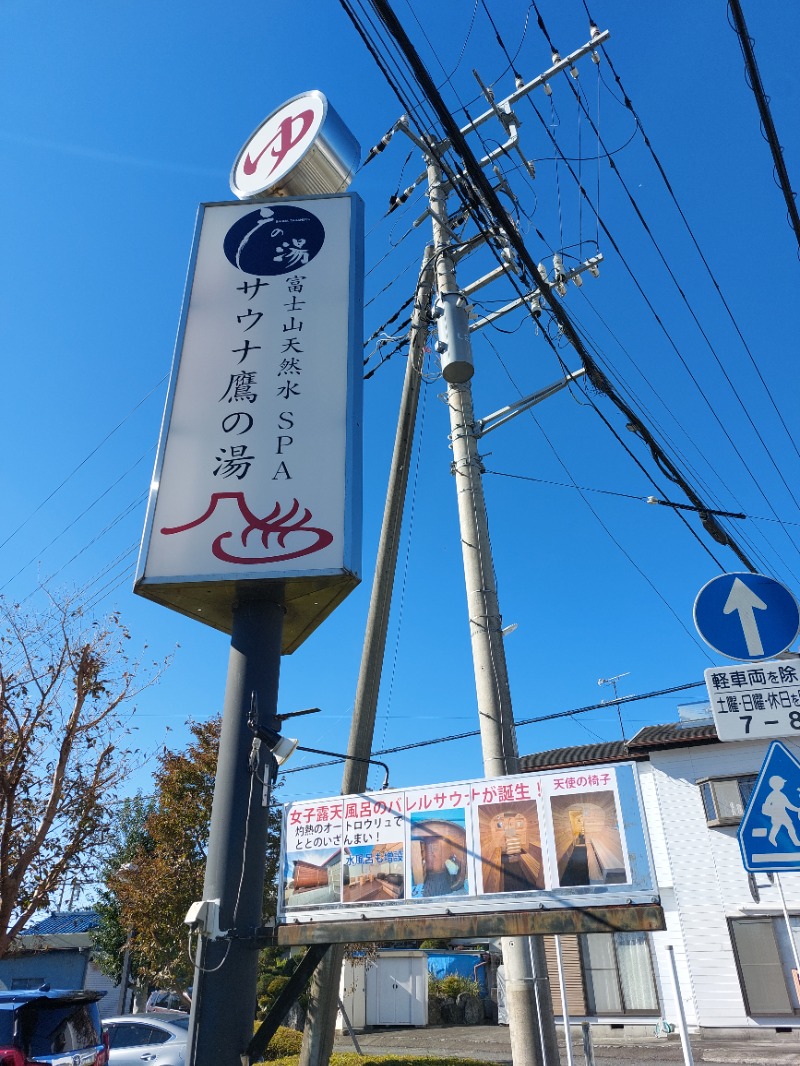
x,y
746,616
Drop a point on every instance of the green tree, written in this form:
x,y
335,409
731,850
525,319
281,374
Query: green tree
x,y
166,871
66,687
129,840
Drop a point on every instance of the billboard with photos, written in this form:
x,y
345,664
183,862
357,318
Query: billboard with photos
x,y
549,839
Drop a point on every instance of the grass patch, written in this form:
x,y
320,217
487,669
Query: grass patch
x,y
350,1058
284,1050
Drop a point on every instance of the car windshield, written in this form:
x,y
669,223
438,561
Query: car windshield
x,y
51,1028
181,1023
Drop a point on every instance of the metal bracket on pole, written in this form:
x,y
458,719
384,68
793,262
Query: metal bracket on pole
x,y
505,414
350,1032
560,65
532,298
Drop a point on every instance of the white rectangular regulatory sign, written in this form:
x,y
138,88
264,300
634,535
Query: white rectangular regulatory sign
x,y
755,700
258,475
566,839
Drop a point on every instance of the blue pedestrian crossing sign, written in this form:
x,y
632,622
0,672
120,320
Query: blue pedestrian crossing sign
x,y
769,833
749,617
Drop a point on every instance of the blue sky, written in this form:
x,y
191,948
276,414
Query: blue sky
x,y
120,119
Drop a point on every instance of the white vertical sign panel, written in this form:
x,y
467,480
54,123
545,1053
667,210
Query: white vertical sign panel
x,y
258,473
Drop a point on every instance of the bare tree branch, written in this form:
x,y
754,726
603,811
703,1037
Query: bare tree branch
x,y
65,693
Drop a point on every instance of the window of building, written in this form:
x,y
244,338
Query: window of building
x,y
725,798
765,960
618,973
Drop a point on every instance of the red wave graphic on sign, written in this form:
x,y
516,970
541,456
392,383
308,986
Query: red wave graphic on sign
x,y
274,525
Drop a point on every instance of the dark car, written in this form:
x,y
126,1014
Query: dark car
x,y
54,1026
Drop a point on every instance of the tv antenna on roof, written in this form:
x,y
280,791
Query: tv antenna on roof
x,y
613,682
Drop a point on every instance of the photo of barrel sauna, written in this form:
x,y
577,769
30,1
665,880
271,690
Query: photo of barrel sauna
x,y
313,877
587,838
511,846
373,873
438,854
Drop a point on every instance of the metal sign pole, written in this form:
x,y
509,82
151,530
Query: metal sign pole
x,y
564,1008
687,1047
788,923
226,970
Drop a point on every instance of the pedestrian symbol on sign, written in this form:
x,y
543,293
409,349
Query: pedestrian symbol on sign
x,y
776,807
768,834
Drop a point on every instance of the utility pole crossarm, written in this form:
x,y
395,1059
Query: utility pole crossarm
x,y
505,414
532,298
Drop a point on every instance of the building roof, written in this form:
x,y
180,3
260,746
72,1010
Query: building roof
x,y
59,923
638,748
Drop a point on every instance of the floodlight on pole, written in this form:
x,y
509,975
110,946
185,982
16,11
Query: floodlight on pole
x,y
281,747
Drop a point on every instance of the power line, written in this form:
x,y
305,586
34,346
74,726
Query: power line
x,y
602,705
770,133
482,195
715,530
83,462
627,103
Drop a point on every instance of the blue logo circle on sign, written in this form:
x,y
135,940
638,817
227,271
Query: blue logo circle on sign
x,y
747,616
274,240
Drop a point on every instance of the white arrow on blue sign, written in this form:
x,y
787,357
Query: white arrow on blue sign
x,y
747,616
769,833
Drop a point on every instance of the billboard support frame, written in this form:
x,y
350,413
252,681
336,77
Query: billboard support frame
x,y
544,921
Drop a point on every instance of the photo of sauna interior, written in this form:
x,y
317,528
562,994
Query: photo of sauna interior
x,y
315,878
438,857
511,849
374,877
587,838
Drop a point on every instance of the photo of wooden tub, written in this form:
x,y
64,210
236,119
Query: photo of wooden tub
x,y
438,854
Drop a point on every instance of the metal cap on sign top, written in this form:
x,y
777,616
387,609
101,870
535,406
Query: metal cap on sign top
x,y
302,149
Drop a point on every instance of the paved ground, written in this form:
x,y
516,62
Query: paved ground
x,y
491,1043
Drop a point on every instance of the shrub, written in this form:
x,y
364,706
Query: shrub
x,y
286,1042
275,987
452,985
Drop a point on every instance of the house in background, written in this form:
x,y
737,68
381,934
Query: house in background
x,y
727,928
58,950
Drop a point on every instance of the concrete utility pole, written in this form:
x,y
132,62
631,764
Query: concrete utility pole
x,y
221,1023
324,999
532,1028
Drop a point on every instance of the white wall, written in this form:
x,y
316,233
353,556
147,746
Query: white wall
x,y
97,981
353,994
708,881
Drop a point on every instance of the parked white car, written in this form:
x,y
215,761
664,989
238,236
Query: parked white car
x,y
150,1039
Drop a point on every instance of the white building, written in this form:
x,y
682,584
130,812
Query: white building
x,y
727,927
